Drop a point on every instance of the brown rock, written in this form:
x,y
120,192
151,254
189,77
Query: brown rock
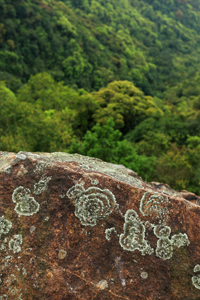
x,y
75,227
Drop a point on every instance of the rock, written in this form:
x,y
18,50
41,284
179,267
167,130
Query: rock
x,y
75,227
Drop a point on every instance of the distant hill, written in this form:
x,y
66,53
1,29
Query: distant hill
x,y
154,44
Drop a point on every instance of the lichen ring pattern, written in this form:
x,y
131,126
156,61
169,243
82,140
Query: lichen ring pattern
x,y
91,204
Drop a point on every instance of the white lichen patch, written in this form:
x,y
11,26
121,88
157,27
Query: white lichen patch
x,y
196,269
21,156
180,239
61,196
196,278
8,170
103,284
62,254
26,205
91,204
3,297
144,275
162,231
109,231
155,207
5,226
41,186
164,248
14,244
7,260
133,237
32,229
24,271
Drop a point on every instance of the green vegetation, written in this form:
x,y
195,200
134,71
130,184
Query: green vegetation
x,y
118,80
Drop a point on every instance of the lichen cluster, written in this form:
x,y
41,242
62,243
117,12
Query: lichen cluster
x,y
15,243
133,237
41,186
92,204
26,205
196,278
156,207
108,232
5,226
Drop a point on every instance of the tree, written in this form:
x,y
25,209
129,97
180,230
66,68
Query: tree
x,y
104,142
125,103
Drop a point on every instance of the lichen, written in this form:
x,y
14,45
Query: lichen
x,y
7,260
133,237
62,254
196,269
41,186
14,244
164,248
21,156
109,231
144,275
155,207
5,226
8,170
26,205
180,239
32,229
196,278
91,204
162,231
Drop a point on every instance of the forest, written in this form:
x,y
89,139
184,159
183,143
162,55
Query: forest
x,y
114,79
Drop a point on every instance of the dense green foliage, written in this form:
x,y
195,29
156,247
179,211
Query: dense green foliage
x,y
114,79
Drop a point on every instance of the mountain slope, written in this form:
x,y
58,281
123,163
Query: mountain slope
x,y
154,44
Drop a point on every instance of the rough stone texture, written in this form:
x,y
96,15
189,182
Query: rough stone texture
x,y
74,227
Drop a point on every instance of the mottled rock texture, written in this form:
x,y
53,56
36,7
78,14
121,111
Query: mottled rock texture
x,y
74,227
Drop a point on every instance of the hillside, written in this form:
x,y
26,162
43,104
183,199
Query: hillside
x,y
154,44
131,66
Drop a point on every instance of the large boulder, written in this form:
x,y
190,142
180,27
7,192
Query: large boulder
x,y
75,227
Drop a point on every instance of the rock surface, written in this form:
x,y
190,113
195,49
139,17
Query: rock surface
x,y
74,227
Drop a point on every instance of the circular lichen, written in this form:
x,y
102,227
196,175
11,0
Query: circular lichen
x,y
155,207
91,204
162,231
